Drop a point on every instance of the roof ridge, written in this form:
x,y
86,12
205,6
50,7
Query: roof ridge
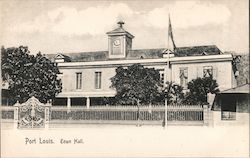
x,y
85,52
117,30
107,51
197,46
129,50
147,49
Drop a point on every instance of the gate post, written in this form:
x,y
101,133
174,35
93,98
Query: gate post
x,y
47,115
16,114
165,119
205,115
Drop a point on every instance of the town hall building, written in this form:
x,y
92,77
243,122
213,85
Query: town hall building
x,y
86,75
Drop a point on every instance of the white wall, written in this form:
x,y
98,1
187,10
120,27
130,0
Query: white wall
x,y
88,81
221,63
222,72
241,119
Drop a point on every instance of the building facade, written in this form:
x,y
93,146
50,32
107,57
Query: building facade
x,y
231,106
86,75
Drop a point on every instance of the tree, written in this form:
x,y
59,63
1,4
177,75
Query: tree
x,y
241,64
29,75
173,93
136,85
198,89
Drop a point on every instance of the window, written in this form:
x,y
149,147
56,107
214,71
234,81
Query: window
x,y
78,80
228,115
228,108
184,77
98,79
207,71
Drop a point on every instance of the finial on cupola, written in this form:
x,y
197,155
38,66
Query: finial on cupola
x,y
120,23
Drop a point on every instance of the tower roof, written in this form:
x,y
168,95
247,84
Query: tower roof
x,y
120,30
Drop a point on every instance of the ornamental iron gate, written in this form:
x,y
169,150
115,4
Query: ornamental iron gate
x,y
32,114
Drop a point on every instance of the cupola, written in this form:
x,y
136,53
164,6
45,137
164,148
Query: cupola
x,y
119,41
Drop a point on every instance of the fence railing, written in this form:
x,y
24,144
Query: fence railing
x,y
175,113
148,113
107,113
185,113
7,112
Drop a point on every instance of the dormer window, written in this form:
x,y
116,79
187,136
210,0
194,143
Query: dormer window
x,y
167,53
59,58
204,53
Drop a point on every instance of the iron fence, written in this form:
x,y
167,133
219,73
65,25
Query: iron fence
x,y
147,113
7,112
122,114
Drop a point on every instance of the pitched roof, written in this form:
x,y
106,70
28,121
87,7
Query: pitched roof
x,y
198,50
120,30
63,56
84,56
145,53
140,53
103,55
240,89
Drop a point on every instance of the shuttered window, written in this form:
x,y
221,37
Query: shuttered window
x,y
78,80
98,80
207,71
210,71
184,77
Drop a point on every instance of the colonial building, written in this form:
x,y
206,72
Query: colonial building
x,y
86,75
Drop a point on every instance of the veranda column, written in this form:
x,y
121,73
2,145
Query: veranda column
x,y
68,102
88,102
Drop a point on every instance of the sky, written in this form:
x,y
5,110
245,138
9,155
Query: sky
x,y
77,26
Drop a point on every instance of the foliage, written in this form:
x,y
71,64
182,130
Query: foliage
x,y
243,68
136,84
198,89
29,75
173,93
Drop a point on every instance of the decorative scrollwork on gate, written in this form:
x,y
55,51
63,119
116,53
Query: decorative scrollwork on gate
x,y
32,114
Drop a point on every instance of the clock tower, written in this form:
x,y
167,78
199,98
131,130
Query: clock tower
x,y
119,42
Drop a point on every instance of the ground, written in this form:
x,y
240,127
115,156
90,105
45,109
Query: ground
x,y
128,141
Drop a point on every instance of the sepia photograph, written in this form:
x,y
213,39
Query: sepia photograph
x,y
106,78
